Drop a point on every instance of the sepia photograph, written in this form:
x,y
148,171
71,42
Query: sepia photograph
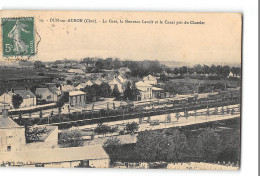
x,y
132,90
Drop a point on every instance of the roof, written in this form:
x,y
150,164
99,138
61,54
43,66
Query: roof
x,y
78,92
143,84
157,89
55,90
124,69
149,78
122,79
40,91
24,93
68,88
55,155
6,122
115,81
76,71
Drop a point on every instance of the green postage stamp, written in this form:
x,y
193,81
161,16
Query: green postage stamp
x,y
18,36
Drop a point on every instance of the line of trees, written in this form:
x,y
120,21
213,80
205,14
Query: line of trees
x,y
173,145
138,68
219,70
96,91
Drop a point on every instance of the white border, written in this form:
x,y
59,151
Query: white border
x,y
250,74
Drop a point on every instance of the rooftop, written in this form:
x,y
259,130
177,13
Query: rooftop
x,y
6,122
24,93
55,155
78,92
143,84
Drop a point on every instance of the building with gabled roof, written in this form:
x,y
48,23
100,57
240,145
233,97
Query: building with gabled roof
x,y
150,79
47,94
145,90
29,99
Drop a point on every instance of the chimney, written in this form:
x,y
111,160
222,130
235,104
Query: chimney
x,y
5,112
12,90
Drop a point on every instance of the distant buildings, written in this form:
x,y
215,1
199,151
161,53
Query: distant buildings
x,y
78,71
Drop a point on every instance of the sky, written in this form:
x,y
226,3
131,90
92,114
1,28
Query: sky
x,y
218,40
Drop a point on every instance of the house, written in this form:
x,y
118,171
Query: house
x,y
68,88
117,82
231,74
150,80
29,99
77,98
124,71
90,83
81,86
48,94
122,79
158,92
145,89
44,152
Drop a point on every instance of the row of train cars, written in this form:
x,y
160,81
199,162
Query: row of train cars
x,y
220,98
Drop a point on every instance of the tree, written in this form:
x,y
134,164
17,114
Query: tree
x,y
198,69
232,111
131,92
38,65
33,133
105,90
63,99
209,144
70,139
115,92
102,129
176,71
169,117
113,146
20,118
99,64
206,69
40,115
17,100
131,127
222,110
225,71
186,114
183,70
177,116
216,111
166,145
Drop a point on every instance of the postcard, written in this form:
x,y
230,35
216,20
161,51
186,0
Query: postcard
x,y
142,90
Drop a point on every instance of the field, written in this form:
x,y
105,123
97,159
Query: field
x,y
189,86
19,78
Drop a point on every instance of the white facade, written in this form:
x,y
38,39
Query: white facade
x,y
117,82
145,90
28,100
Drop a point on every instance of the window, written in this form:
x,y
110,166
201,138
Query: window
x,y
9,148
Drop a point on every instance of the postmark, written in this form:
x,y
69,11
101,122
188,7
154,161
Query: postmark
x,y
18,37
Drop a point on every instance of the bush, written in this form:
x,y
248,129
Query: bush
x,y
70,139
